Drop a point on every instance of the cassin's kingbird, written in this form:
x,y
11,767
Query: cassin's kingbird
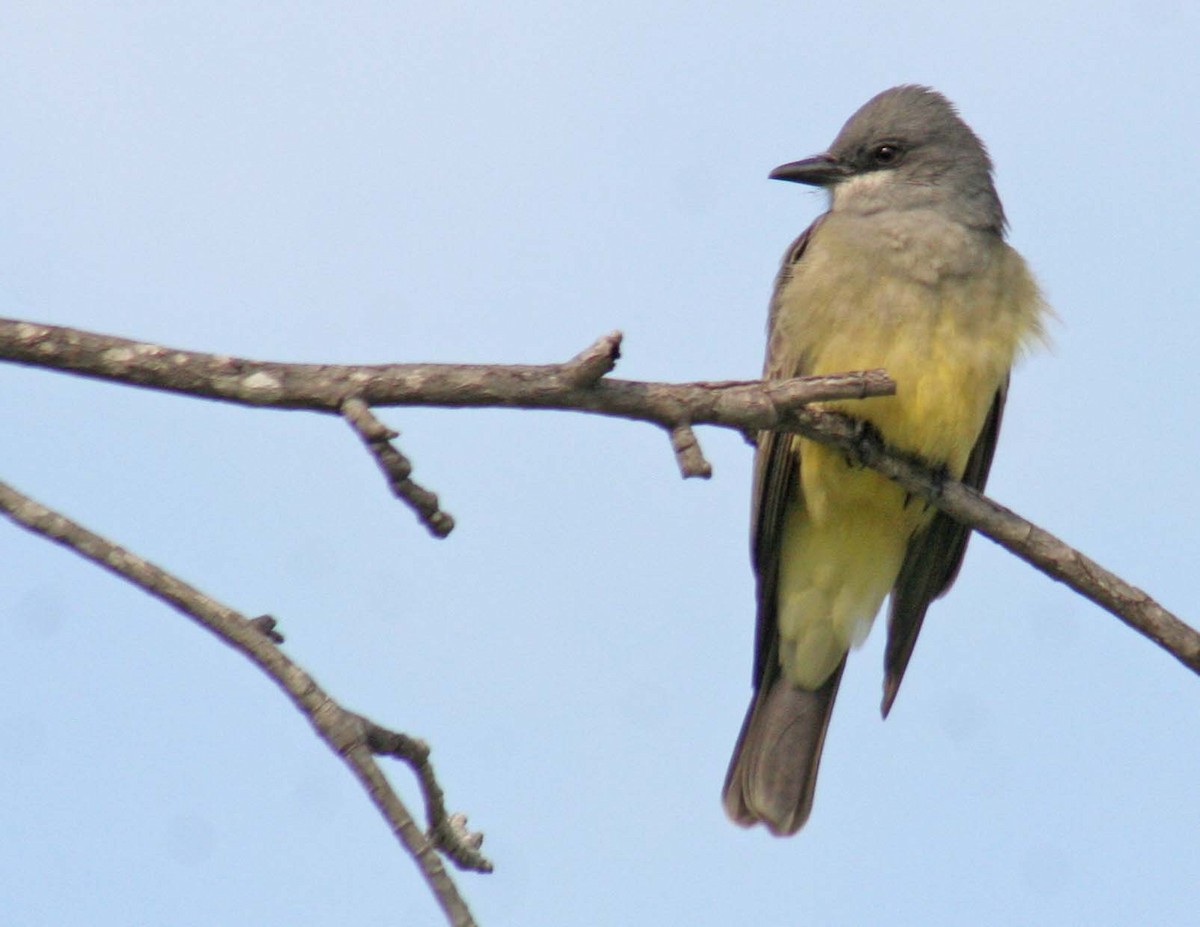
x,y
908,270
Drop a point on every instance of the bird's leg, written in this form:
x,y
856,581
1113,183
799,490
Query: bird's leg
x,y
866,441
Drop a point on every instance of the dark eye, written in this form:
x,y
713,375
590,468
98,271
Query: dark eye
x,y
885,154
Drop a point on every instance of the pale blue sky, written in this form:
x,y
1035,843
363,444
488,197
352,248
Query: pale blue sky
x,y
452,181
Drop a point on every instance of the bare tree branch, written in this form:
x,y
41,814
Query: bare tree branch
x,y
746,406
349,735
450,832
396,467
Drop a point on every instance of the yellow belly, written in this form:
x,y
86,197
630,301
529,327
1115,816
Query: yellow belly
x,y
948,345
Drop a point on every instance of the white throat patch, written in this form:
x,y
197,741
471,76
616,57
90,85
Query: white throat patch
x,y
865,192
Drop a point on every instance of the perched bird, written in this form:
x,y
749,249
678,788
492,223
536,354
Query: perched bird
x,y
908,270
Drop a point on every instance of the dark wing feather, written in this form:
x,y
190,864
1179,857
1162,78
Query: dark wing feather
x,y
776,469
774,767
932,562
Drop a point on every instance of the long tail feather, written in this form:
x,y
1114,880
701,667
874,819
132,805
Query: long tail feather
x,y
774,768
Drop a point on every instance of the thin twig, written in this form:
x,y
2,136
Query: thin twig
x,y
594,361
450,833
688,455
344,731
377,438
266,624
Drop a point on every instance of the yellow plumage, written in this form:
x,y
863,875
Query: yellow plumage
x,y
947,334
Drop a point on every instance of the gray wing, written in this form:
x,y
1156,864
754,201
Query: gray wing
x,y
776,468
775,762
932,561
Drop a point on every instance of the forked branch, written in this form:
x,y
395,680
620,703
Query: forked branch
x,y
352,737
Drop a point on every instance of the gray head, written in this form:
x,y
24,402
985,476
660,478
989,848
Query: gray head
x,y
904,149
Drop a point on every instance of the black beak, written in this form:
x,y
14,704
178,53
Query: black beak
x,y
822,171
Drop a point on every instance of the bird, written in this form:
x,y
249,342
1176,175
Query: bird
x,y
907,270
